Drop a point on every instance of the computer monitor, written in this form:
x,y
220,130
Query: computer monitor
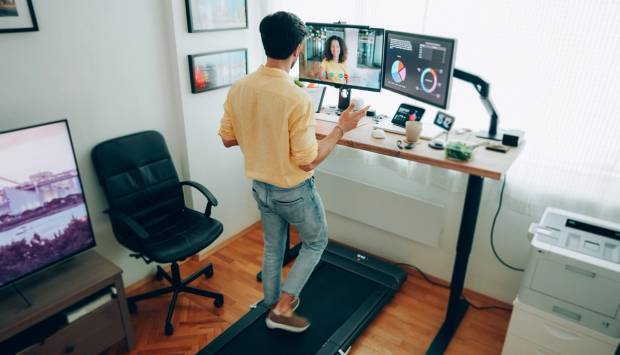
x,y
345,56
419,66
43,213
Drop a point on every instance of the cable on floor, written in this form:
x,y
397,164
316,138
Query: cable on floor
x,y
428,279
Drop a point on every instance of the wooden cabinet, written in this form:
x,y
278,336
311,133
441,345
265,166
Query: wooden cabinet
x,y
40,329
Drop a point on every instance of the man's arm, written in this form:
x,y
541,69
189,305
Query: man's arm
x,y
348,120
227,132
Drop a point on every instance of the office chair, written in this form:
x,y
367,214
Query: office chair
x,y
148,212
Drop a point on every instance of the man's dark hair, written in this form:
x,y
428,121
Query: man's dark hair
x,y
327,52
281,33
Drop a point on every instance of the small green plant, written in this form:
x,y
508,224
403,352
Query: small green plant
x,y
459,151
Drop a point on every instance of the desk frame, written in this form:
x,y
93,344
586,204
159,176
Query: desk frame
x,y
457,304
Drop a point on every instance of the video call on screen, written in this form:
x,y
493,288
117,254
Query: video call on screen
x,y
321,58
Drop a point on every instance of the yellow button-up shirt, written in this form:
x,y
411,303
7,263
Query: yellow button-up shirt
x,y
272,119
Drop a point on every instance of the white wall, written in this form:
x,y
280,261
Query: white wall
x,y
218,168
105,66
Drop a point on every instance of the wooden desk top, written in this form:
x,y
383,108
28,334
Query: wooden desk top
x,y
484,163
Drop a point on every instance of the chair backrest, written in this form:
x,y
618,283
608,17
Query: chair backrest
x,y
138,177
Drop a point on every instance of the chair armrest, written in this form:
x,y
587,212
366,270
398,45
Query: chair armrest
x,y
203,190
128,222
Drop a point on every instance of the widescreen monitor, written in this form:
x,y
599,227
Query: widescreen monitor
x,y
419,66
345,56
43,213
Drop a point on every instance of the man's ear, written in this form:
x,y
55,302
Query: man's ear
x,y
296,51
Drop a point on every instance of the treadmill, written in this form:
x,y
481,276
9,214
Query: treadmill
x,y
344,293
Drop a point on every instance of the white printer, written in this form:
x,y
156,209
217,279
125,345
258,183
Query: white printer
x,y
574,270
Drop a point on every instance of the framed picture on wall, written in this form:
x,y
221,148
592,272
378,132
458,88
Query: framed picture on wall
x,y
216,15
210,71
17,16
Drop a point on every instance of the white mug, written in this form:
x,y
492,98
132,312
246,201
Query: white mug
x,y
358,103
412,131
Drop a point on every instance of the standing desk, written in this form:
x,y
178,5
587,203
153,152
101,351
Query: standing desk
x,y
484,164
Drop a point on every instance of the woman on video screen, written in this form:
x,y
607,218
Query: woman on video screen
x,y
334,66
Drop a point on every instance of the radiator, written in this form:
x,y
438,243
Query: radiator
x,y
394,212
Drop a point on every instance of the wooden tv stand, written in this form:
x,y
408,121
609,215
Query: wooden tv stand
x,y
55,289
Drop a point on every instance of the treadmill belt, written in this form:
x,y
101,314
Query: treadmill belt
x,y
329,298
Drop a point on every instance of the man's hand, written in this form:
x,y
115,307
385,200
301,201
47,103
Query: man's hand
x,y
229,142
348,119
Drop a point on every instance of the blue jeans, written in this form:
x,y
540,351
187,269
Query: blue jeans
x,y
302,207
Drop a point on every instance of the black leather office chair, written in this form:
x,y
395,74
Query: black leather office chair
x,y
148,212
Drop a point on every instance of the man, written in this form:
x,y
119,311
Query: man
x,y
272,120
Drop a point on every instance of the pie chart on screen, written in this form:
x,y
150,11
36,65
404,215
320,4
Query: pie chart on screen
x,y
399,71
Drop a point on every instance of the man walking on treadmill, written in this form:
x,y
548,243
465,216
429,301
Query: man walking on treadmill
x,y
272,120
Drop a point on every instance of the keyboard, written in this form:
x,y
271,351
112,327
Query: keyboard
x,y
429,130
329,117
329,114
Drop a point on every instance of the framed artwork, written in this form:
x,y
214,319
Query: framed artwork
x,y
210,71
17,16
216,15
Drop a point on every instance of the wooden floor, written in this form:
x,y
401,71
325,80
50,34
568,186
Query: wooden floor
x,y
407,325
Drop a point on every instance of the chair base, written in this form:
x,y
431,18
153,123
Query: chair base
x,y
177,286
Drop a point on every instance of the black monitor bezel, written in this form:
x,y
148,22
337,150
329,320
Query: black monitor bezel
x,y
451,69
347,86
90,223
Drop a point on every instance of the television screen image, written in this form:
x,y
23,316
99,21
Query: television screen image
x,y
43,214
342,55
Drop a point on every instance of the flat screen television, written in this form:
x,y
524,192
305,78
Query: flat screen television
x,y
43,214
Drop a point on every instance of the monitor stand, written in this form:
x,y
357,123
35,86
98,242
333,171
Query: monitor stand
x,y
331,113
497,136
483,89
344,98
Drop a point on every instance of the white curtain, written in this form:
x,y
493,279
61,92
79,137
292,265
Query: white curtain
x,y
554,69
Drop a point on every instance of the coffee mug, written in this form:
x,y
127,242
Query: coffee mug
x,y
358,103
413,130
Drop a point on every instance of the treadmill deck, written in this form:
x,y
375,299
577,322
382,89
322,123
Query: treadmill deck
x,y
344,293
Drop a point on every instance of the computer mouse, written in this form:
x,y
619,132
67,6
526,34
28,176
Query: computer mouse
x,y
378,133
437,144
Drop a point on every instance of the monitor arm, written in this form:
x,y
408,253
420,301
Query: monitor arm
x,y
483,89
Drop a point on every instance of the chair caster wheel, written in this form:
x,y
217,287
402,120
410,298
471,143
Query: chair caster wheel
x,y
159,274
169,329
219,302
209,272
133,307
